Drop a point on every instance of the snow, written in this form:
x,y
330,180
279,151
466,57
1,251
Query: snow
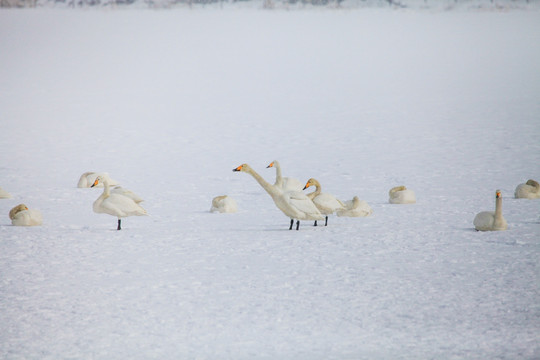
x,y
169,102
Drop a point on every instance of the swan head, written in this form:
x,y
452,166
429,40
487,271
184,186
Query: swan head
x,y
533,183
243,167
273,164
17,209
498,194
311,182
97,181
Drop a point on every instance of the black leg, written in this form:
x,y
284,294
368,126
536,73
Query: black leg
x,y
326,221
292,222
297,224
119,228
315,224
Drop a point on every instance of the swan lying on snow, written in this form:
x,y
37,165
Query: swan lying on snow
x,y
115,203
355,208
224,204
20,215
489,220
326,203
4,194
529,190
88,178
294,204
286,183
401,195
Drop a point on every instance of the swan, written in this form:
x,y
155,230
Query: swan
x,y
355,208
115,203
529,190
4,194
489,220
286,183
20,215
326,203
88,178
294,204
401,195
224,204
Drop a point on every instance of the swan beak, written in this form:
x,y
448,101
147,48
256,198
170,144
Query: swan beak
x,y
271,165
307,185
238,168
498,194
95,183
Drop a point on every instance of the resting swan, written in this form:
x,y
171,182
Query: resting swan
x,y
355,208
88,178
224,204
529,190
294,204
286,183
20,215
115,203
326,203
4,194
489,220
401,195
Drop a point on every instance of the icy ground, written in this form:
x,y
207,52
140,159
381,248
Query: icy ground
x,y
169,102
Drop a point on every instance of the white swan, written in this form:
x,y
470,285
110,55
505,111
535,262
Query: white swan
x,y
286,183
355,208
529,190
489,220
20,215
115,203
4,194
88,178
224,204
326,203
294,204
401,195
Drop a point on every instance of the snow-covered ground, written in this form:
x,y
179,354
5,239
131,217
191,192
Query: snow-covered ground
x,y
169,102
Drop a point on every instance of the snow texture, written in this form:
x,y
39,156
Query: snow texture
x,y
169,102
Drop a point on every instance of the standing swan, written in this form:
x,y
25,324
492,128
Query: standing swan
x,y
294,204
489,220
529,190
20,215
326,203
286,183
115,203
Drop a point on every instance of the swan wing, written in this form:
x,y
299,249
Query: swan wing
x,y
327,202
121,206
300,202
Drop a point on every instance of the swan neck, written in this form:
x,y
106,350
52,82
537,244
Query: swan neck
x,y
316,193
270,189
498,209
279,178
106,188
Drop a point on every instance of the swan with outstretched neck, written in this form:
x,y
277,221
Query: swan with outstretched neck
x,y
489,220
294,204
326,203
115,203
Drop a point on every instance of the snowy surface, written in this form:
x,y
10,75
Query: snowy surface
x,y
169,102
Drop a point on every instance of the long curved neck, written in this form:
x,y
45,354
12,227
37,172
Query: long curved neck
x,y
498,209
279,178
270,189
316,193
106,188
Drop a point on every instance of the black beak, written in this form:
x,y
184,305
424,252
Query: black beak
x,y
235,169
305,187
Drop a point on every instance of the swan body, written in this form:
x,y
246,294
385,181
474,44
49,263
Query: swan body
x,y
326,203
224,204
20,215
4,194
528,190
294,204
88,178
401,195
286,183
355,208
115,203
489,220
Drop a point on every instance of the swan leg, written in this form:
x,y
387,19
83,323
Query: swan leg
x,y
326,221
119,227
292,222
315,224
297,224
